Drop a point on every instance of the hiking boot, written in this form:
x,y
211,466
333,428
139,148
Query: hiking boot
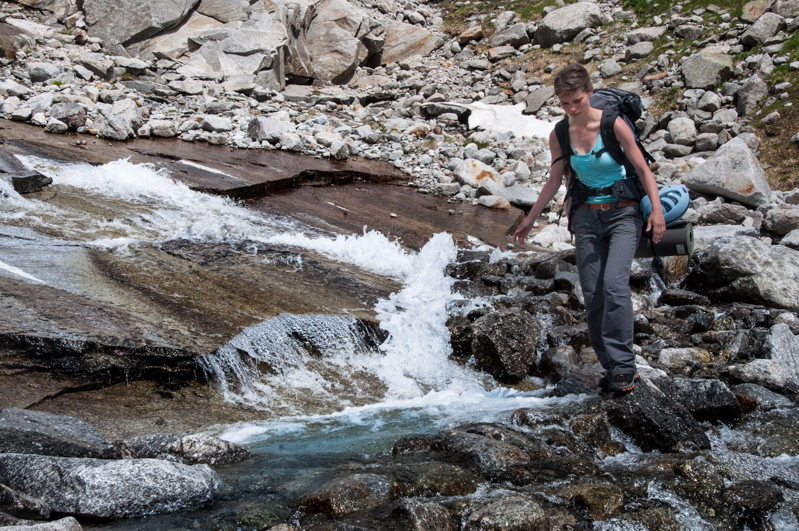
x,y
604,382
621,383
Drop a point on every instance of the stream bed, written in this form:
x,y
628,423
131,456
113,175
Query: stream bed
x,y
333,383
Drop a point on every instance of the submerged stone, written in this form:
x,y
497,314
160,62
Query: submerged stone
x,y
509,513
359,492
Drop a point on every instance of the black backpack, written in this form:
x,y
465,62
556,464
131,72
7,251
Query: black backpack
x,y
615,103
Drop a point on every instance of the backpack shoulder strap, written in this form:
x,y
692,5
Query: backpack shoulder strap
x,y
608,132
562,134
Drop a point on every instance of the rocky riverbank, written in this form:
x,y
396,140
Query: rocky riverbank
x,y
400,89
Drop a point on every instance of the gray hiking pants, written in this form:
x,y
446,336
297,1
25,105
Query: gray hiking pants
x,y
606,241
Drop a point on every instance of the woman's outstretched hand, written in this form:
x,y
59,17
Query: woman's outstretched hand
x,y
523,230
656,226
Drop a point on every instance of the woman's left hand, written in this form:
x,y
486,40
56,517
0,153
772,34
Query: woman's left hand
x,y
656,226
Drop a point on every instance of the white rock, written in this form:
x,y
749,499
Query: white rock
x,y
732,172
39,119
56,126
216,124
494,201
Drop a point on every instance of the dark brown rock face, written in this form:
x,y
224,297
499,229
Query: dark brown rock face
x,y
504,343
653,419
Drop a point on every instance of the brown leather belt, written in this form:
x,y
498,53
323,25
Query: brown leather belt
x,y
609,206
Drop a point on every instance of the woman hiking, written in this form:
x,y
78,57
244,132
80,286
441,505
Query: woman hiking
x,y
606,224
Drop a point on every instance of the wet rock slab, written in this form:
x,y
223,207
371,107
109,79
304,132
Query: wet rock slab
x,y
35,432
109,489
224,171
396,211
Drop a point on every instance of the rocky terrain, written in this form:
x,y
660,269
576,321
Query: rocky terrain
x,y
709,435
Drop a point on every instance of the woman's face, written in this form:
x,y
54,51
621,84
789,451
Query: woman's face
x,y
575,103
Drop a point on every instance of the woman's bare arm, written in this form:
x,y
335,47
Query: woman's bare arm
x,y
547,192
656,223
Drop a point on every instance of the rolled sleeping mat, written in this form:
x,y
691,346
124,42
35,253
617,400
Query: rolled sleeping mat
x,y
678,241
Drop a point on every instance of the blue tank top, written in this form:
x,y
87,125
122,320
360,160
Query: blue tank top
x,y
598,172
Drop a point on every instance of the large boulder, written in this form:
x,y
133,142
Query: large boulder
x,y
786,8
59,8
765,27
751,93
653,419
491,456
41,72
174,43
479,175
72,114
536,99
422,516
782,220
504,343
748,270
333,40
767,373
224,10
515,36
683,131
126,22
732,172
119,121
562,25
706,70
63,524
406,40
782,346
109,489
754,9
257,47
35,432
706,236
647,34
21,505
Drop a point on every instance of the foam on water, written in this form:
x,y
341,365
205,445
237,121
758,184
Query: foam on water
x,y
375,427
149,206
336,361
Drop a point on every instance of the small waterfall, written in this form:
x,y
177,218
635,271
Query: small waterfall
x,y
291,360
295,364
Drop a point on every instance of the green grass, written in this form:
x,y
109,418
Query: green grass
x,y
791,46
531,10
647,7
